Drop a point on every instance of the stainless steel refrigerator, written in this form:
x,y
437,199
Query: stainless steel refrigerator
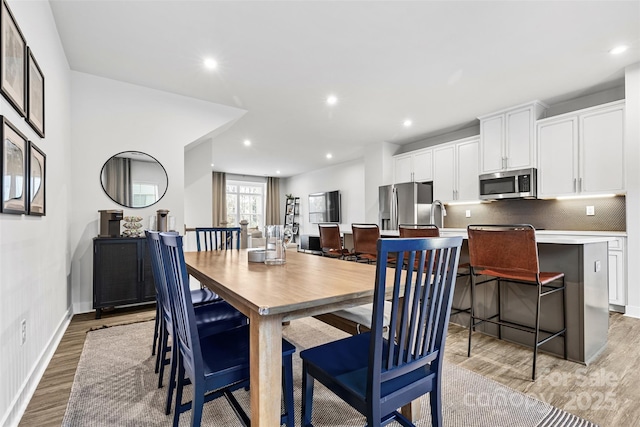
x,y
407,203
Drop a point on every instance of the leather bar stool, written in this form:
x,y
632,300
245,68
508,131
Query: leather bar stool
x,y
331,242
365,239
509,253
432,230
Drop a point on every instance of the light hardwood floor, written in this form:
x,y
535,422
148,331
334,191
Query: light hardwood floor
x,y
606,392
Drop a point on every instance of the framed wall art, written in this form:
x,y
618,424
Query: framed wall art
x,y
37,180
13,169
13,50
35,91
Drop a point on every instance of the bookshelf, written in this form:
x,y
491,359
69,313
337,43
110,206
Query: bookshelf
x,y
291,214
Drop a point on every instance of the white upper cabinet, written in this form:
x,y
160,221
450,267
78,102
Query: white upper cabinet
x,y
455,171
602,150
415,166
582,152
507,138
468,188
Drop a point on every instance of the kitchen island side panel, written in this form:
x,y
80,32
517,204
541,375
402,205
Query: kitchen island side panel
x,y
587,301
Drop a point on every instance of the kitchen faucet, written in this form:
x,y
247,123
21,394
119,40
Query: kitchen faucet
x,y
443,212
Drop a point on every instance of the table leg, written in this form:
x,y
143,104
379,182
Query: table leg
x,y
266,369
411,411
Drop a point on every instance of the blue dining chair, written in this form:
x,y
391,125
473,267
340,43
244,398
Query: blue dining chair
x,y
198,297
215,365
376,374
217,238
210,318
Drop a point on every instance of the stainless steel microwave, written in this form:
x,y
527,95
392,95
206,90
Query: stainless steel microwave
x,y
517,184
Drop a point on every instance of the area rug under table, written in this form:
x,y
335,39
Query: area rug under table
x,y
115,385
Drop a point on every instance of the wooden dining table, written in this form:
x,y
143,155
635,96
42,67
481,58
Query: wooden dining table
x,y
269,295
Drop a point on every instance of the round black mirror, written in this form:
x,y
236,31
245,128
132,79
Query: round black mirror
x,y
134,179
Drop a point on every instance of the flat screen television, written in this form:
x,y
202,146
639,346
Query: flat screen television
x,y
324,207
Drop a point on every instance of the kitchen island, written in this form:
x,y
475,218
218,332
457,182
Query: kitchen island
x,y
584,261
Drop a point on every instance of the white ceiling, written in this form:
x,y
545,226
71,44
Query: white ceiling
x,y
439,63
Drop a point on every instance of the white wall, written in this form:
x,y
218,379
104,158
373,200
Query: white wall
x,y
198,189
632,158
34,251
378,160
347,177
110,117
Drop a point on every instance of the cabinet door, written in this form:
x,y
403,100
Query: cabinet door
x,y
491,143
423,166
148,286
557,158
602,151
467,169
116,271
519,144
444,173
617,294
402,169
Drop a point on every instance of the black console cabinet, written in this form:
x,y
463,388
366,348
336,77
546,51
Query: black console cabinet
x,y
122,273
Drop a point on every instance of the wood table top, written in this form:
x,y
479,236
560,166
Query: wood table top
x,y
304,286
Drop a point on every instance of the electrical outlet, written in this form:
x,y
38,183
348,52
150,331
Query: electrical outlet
x,y
467,213
23,330
591,210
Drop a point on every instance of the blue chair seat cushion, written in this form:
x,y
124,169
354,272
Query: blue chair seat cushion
x,y
345,362
216,317
203,296
226,354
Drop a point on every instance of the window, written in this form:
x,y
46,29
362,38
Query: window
x,y
144,194
245,200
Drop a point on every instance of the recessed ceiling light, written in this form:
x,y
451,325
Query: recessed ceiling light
x,y
278,172
212,165
247,142
332,100
211,63
329,155
407,123
618,50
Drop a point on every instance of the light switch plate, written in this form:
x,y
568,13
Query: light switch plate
x,y
591,210
596,266
467,213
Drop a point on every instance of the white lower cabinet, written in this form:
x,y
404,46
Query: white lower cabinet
x,y
617,273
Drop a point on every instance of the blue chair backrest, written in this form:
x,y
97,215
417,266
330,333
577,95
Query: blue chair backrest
x,y
155,253
216,238
184,320
418,327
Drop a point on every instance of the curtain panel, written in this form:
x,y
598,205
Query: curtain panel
x,y
272,216
219,199
119,186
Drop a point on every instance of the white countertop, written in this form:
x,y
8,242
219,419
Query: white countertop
x,y
561,237
555,236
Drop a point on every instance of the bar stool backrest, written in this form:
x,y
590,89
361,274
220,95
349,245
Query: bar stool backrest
x,y
365,238
419,230
330,236
507,248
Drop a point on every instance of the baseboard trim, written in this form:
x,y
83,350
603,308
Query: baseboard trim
x,y
82,307
632,311
21,401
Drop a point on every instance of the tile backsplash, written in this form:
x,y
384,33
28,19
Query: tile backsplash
x,y
567,215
